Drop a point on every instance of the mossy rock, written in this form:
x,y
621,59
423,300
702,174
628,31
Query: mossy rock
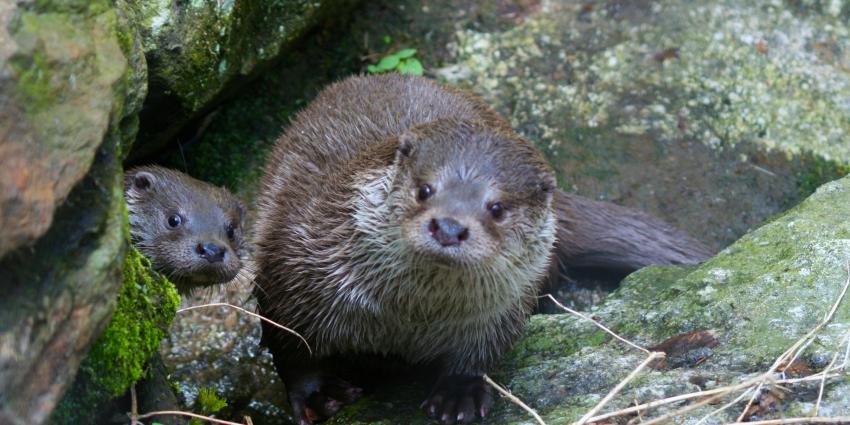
x,y
72,80
200,52
147,303
712,116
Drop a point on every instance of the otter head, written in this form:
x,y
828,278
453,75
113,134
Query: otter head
x,y
468,194
190,230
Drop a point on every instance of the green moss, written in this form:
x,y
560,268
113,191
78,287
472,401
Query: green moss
x,y
146,306
817,171
147,303
88,7
208,403
34,86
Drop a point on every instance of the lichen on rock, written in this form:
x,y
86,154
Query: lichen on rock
x,y
740,107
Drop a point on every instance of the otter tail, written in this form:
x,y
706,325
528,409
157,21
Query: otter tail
x,y
602,235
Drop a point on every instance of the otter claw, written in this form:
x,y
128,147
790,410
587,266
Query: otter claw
x,y
458,399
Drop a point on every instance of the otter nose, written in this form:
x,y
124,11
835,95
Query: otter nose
x,y
211,252
447,231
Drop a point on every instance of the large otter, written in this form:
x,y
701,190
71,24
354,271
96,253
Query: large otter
x,y
190,230
400,218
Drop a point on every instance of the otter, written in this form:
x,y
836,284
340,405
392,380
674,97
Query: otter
x,y
191,231
402,219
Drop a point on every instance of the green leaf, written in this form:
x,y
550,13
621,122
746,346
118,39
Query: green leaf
x,y
406,53
411,66
388,63
372,69
387,39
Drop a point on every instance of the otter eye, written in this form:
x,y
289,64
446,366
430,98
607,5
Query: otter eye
x,y
497,210
425,192
231,230
175,220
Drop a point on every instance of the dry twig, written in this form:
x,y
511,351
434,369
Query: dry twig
x,y
134,406
252,314
707,393
601,326
837,420
188,414
652,357
514,399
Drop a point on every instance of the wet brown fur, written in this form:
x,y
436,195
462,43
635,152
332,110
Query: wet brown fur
x,y
207,211
341,283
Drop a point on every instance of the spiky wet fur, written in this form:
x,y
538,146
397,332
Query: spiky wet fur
x,y
332,260
208,210
342,259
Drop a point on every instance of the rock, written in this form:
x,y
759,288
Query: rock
x,y
71,78
65,85
199,52
712,116
758,297
218,349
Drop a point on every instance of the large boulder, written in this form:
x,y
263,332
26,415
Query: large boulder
x,y
70,77
199,52
713,116
71,84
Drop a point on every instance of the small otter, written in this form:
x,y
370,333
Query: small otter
x,y
190,230
403,219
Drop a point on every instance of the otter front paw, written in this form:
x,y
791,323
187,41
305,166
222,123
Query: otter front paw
x,y
460,399
316,398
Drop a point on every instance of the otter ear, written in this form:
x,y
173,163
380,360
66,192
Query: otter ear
x,y
548,184
142,181
405,144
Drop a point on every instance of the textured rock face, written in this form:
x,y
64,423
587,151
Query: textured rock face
x,y
711,116
199,51
71,83
758,297
218,349
68,80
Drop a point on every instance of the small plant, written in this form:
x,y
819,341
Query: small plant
x,y
402,62
209,403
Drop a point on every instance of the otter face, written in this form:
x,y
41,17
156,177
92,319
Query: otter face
x,y
466,194
190,230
